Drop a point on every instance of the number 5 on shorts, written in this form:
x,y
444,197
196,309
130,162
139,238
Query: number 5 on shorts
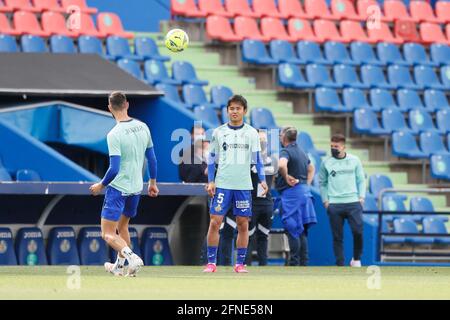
x,y
220,198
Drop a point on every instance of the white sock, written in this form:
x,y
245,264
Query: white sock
x,y
127,253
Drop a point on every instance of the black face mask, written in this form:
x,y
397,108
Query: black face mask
x,y
335,153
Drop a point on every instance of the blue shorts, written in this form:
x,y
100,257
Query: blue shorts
x,y
241,200
116,204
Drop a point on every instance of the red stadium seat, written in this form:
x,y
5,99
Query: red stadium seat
x,y
247,28
186,8
23,5
213,7
292,9
301,29
344,9
55,23
26,23
422,11
370,8
5,27
274,29
319,9
81,4
431,32
443,10
110,24
5,8
48,5
326,30
396,10
383,33
353,31
240,8
407,31
267,8
219,28
87,27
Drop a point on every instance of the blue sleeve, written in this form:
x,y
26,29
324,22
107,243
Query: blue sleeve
x,y
260,167
113,170
284,154
211,166
152,162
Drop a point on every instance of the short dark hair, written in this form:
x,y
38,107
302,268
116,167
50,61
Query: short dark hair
x,y
117,100
338,138
290,133
237,99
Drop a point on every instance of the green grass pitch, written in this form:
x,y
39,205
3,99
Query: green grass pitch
x,y
181,283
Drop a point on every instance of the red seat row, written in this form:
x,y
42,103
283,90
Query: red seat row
x,y
46,5
26,22
420,11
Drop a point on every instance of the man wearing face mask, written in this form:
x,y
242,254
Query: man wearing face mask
x,y
342,187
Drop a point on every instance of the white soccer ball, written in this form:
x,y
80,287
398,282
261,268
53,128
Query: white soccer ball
x,y
177,40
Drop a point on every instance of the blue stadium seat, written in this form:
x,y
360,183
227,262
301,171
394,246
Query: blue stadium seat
x,y
420,120
440,167
421,204
316,161
30,248
27,175
393,203
119,48
133,246
409,100
431,143
440,53
443,121
319,76
155,247
377,182
435,225
8,43
254,51
4,175
155,72
393,120
355,99
171,93
390,239
262,118
445,76
62,246
147,49
401,78
220,95
427,78
346,76
310,52
382,99
62,44
328,100
370,203
132,67
404,145
91,247
362,53
185,72
365,122
435,100
290,76
92,45
7,254
207,114
415,54
33,44
373,77
336,52
389,53
404,225
305,140
282,51
194,95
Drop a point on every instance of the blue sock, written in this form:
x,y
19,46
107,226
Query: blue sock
x,y
212,254
241,253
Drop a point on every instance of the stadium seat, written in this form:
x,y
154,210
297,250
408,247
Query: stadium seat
x,y
397,10
62,247
147,49
208,115
155,247
353,31
385,229
80,4
254,51
378,182
171,93
431,143
4,175
134,244
365,122
155,72
132,67
305,140
443,121
344,9
23,5
445,76
27,23
262,118
110,24
273,28
320,77
436,100
373,77
420,204
27,175
5,8
267,8
247,28
393,202
5,27
404,225
370,203
362,53
7,254
290,76
443,10
92,45
224,115
422,11
194,95
382,99
185,72
186,8
30,248
427,78
407,31
414,53
356,99
328,100
389,53
34,44
62,44
368,9
282,51
91,247
292,9
8,43
401,77
336,52
240,8
219,28
383,34
393,120
326,30
301,30
213,7
432,33
346,76
435,225
48,5
119,48
318,9
220,95
404,145
440,167
409,100
440,53
310,52
55,23
87,27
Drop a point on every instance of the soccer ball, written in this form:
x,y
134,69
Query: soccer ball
x,y
177,40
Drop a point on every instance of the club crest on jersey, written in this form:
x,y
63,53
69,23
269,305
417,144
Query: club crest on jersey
x,y
218,208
